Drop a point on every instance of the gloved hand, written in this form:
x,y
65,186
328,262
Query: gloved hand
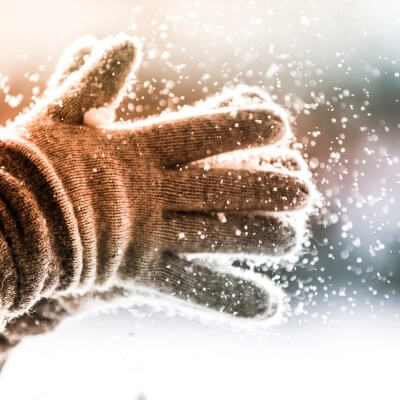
x,y
99,212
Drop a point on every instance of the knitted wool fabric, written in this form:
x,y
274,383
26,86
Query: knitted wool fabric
x,y
90,212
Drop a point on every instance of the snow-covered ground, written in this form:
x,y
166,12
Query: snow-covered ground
x,y
123,357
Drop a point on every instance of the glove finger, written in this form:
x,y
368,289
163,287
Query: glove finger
x,y
196,189
181,141
202,233
98,82
220,291
72,60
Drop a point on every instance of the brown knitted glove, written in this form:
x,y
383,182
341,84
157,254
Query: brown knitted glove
x,y
94,212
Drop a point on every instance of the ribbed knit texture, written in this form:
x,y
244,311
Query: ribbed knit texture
x,y
83,209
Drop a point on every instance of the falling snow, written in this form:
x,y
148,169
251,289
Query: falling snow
x,y
342,95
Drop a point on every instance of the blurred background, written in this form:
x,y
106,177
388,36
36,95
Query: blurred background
x,y
336,67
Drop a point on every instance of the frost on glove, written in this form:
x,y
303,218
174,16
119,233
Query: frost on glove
x,y
100,212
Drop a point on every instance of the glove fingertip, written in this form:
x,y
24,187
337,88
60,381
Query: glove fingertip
x,y
72,59
99,82
114,55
